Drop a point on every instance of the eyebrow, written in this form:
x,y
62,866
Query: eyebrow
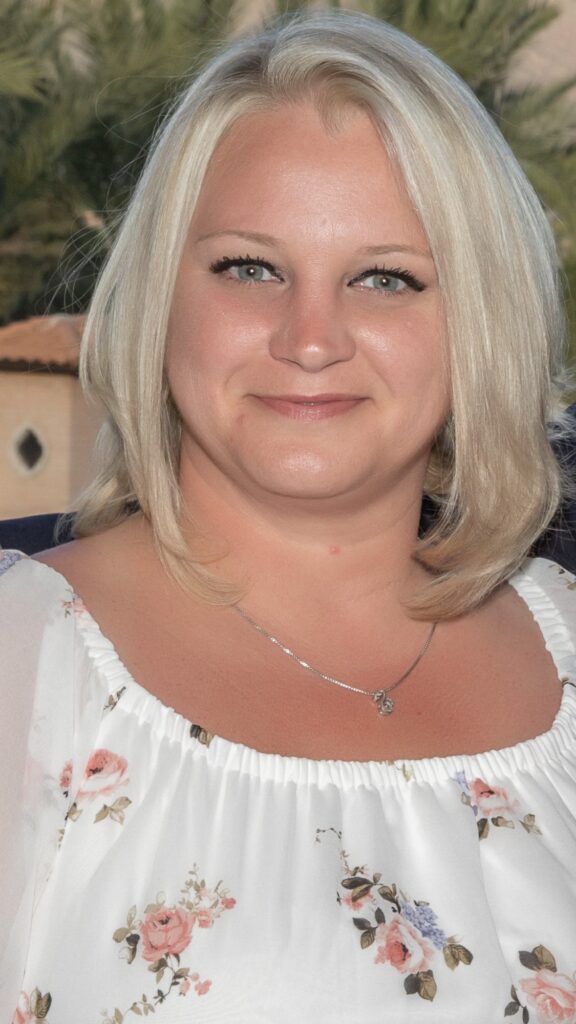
x,y
376,250
368,250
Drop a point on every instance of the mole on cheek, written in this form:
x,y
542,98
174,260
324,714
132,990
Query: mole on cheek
x,y
334,549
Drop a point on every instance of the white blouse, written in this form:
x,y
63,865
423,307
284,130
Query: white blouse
x,y
148,867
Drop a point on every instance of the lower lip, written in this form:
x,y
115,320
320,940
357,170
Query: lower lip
x,y
316,411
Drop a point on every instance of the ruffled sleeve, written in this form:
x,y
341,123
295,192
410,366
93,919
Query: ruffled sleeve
x,y
37,724
550,592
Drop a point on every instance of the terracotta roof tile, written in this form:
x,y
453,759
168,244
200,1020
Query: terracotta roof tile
x,y
42,343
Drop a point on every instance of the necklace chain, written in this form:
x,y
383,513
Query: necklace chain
x,y
384,703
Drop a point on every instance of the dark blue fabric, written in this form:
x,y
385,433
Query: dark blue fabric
x,y
559,541
31,534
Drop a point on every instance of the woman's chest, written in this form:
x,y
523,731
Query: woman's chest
x,y
486,681
464,697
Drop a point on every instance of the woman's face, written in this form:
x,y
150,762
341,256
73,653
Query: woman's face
x,y
306,338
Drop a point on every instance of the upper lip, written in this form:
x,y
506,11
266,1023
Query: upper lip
x,y
314,398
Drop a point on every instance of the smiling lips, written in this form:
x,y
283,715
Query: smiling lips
x,y
311,407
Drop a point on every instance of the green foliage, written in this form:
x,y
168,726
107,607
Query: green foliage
x,y
477,38
84,82
74,125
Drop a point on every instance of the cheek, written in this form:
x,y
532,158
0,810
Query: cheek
x,y
197,351
411,353
190,333
215,336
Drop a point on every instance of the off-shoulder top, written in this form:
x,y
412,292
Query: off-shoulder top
x,y
152,869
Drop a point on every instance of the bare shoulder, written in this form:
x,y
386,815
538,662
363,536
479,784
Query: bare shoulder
x,y
101,561
75,552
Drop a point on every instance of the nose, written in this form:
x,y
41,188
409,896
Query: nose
x,y
312,332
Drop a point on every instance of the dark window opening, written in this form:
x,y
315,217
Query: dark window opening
x,y
29,449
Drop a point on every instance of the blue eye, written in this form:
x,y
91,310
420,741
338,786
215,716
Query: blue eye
x,y
252,272
385,283
388,282
246,269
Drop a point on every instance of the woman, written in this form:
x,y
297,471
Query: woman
x,y
288,761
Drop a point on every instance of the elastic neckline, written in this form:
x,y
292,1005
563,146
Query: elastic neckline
x,y
550,745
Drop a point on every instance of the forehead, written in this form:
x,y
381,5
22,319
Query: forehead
x,y
287,163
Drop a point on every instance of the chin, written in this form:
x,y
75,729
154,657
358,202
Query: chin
x,y
301,477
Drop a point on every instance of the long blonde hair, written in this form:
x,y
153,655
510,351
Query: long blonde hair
x,y
492,472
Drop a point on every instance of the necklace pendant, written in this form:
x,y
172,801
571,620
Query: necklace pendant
x,y
383,702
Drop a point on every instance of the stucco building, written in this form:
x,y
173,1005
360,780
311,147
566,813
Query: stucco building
x,y
47,429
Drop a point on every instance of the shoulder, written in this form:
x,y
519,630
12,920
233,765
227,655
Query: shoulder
x,y
99,568
33,597
37,645
8,558
21,573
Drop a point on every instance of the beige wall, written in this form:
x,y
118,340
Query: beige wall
x,y
551,55
51,405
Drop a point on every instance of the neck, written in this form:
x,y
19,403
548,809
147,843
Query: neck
x,y
295,558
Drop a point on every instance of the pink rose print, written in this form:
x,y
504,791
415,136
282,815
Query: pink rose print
x,y
66,778
104,773
209,906
406,933
355,904
162,934
32,1009
493,806
166,931
22,1013
75,606
205,918
200,987
403,947
491,800
552,995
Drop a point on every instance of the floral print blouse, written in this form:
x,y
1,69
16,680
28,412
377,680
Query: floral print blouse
x,y
150,869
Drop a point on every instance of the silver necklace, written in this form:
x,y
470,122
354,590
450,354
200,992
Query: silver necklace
x,y
382,700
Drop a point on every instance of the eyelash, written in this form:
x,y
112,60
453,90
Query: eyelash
x,y
219,266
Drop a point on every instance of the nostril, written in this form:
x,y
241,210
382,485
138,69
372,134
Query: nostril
x,y
312,350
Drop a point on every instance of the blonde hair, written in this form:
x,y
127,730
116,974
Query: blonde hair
x,y
492,471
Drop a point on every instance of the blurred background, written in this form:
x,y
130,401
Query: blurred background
x,y
83,83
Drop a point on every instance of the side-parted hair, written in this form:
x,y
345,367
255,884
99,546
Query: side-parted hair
x,y
492,472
